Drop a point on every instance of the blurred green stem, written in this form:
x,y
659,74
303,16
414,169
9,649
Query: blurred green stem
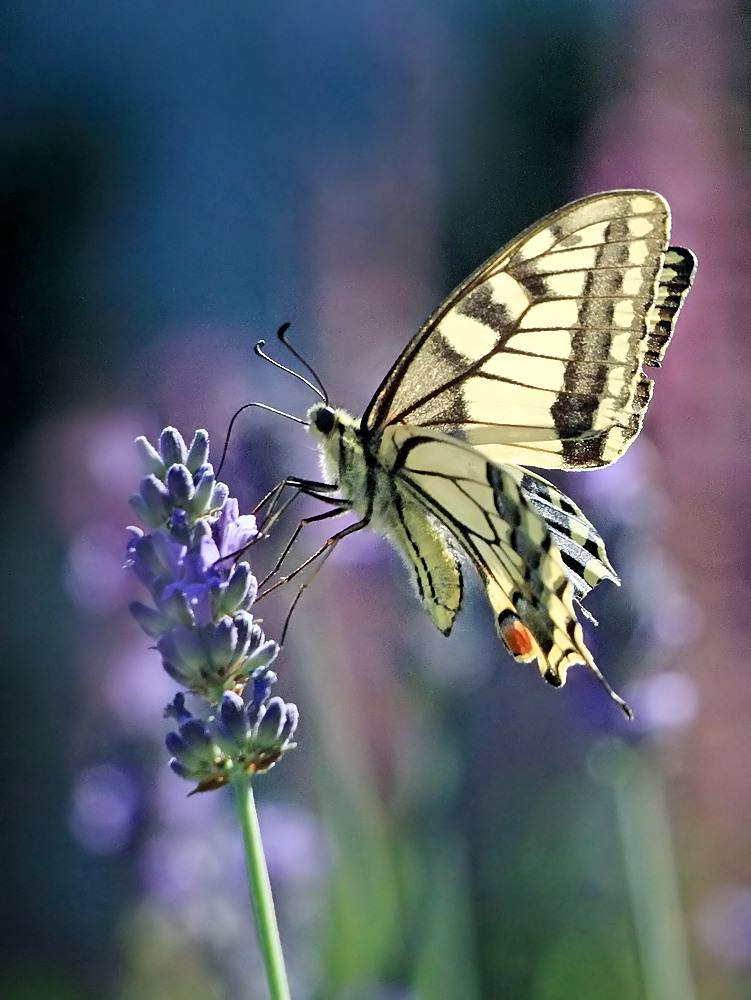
x,y
651,874
259,888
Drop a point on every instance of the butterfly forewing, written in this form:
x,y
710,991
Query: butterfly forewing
x,y
537,357
672,288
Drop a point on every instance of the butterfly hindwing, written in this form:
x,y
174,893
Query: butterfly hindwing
x,y
432,563
485,509
580,545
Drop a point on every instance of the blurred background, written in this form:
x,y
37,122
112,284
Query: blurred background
x,y
176,180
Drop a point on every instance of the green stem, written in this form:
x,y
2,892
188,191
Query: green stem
x,y
652,878
259,888
651,875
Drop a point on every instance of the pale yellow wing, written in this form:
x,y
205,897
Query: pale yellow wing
x,y
504,525
537,357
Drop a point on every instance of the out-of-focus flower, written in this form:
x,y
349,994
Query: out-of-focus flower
x,y
200,616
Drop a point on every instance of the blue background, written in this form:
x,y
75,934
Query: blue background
x,y
176,181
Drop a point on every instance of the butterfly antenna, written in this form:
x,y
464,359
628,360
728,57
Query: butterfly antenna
x,y
282,335
261,354
247,406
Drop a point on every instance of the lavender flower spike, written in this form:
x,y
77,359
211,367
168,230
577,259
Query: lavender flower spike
x,y
200,616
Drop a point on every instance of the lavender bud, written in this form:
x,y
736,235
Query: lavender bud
x,y
198,452
172,447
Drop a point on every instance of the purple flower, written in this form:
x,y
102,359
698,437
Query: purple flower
x,y
200,616
250,731
233,532
201,598
176,479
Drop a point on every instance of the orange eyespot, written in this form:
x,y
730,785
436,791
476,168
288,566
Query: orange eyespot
x,y
517,638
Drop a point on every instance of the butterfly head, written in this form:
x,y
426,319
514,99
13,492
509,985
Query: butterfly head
x,y
322,420
325,423
339,446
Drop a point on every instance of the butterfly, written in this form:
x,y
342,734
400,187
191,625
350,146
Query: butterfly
x,y
535,360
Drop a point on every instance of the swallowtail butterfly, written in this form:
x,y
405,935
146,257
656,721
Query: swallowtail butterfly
x,y
535,360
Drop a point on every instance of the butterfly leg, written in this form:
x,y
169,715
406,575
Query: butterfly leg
x,y
324,552
305,487
293,538
276,510
300,486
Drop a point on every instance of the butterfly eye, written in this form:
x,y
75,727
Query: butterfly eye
x,y
325,420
